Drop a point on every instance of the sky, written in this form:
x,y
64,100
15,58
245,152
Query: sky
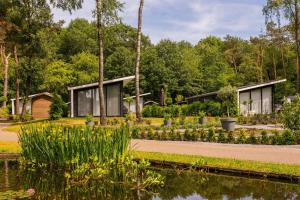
x,y
189,20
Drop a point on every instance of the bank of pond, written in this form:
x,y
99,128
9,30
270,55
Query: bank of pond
x,y
82,162
178,184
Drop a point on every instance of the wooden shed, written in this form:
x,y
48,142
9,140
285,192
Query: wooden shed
x,y
38,105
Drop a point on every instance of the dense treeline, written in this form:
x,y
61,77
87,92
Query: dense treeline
x,y
52,57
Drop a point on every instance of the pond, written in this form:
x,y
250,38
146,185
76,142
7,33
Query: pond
x,y
178,185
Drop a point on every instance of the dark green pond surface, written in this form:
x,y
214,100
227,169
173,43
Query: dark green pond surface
x,y
178,185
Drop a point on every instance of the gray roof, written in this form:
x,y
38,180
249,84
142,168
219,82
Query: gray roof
x,y
141,95
240,89
123,79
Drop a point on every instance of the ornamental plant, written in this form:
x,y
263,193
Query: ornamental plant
x,y
228,95
290,115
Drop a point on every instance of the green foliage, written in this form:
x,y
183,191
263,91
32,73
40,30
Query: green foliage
x,y
242,137
57,108
230,138
252,139
72,145
221,137
264,137
89,118
228,95
4,113
288,138
211,136
290,115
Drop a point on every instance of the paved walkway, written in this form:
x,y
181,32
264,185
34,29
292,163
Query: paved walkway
x,y
263,153
7,136
262,127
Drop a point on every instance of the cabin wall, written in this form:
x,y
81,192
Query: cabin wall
x,y
86,101
41,106
256,101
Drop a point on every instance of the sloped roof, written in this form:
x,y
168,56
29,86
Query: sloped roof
x,y
240,89
36,95
123,79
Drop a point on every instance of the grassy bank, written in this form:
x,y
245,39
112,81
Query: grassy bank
x,y
222,163
9,147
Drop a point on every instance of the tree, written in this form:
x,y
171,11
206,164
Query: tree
x,y
290,10
137,63
5,58
106,12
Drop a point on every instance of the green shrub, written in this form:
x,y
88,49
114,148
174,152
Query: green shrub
x,y
151,135
212,108
203,134
164,135
57,107
230,138
264,137
221,137
290,115
211,136
4,113
135,132
252,138
172,135
275,138
242,137
287,138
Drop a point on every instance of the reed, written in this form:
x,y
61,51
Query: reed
x,y
63,145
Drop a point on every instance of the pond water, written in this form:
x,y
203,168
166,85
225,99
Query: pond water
x,y
178,185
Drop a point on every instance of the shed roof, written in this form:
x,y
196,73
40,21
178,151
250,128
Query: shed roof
x,y
141,95
123,79
36,95
240,89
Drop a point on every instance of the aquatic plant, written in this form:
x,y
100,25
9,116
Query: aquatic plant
x,y
61,145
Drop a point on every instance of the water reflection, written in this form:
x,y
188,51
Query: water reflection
x,y
178,185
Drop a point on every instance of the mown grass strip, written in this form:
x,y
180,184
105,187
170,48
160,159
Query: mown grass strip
x,y
222,163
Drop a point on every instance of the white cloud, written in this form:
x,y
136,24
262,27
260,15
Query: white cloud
x,y
188,20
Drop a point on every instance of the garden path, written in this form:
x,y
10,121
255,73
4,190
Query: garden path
x,y
263,153
7,136
261,127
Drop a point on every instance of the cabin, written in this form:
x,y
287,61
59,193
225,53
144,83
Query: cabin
x,y
252,99
129,102
38,105
84,99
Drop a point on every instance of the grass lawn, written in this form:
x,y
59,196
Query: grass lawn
x,y
9,147
222,163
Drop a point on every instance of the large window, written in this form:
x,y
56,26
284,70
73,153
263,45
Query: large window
x,y
113,100
96,102
84,103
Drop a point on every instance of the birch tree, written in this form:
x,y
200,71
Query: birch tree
x,y
137,62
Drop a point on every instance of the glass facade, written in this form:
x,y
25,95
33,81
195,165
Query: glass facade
x,y
84,102
113,100
88,101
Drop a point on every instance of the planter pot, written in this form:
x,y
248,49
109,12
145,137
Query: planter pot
x,y
202,120
90,123
228,124
168,122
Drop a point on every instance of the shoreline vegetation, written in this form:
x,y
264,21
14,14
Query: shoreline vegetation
x,y
207,164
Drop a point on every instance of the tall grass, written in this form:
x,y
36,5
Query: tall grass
x,y
62,145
